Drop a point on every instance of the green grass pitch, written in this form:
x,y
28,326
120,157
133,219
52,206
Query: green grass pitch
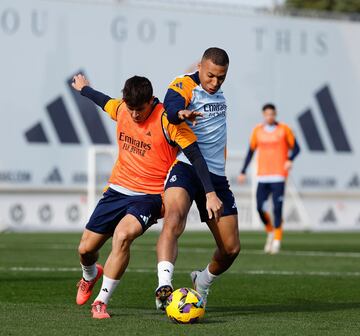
x,y
312,288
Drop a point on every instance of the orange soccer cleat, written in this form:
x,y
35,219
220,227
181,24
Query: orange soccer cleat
x,y
85,287
99,310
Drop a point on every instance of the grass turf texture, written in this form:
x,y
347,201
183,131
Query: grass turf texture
x,y
296,293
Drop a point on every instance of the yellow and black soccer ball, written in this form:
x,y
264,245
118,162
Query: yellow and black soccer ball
x,y
185,305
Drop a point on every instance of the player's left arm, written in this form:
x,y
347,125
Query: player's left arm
x,y
293,146
108,104
182,136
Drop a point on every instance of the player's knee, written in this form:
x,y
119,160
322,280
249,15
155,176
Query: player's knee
x,y
122,239
174,223
231,251
85,251
82,250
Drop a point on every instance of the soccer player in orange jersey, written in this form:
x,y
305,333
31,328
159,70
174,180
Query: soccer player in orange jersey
x,y
148,145
277,148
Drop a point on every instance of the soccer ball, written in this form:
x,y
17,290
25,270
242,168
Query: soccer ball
x,y
185,305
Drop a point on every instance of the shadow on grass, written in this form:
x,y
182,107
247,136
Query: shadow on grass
x,y
154,317
296,307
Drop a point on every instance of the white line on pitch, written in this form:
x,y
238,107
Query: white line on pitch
x,y
210,250
182,271
311,253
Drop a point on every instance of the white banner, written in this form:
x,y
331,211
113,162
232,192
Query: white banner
x,y
309,68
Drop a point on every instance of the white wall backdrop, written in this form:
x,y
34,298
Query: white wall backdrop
x,y
309,68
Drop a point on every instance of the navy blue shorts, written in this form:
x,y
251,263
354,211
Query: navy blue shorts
x,y
263,191
184,176
114,206
277,189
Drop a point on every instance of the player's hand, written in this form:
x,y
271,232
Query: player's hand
x,y
79,81
189,115
288,165
214,206
241,178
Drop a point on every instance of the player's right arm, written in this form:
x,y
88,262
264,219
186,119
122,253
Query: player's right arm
x,y
178,98
250,154
108,104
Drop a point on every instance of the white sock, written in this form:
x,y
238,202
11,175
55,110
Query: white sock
x,y
165,273
89,272
107,288
205,278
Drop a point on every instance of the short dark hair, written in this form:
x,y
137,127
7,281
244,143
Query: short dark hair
x,y
269,106
137,91
217,56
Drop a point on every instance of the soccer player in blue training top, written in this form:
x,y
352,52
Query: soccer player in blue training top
x,y
197,99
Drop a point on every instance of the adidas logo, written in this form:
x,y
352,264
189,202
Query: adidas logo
x,y
234,204
145,218
329,217
179,85
64,126
148,133
354,181
54,176
333,123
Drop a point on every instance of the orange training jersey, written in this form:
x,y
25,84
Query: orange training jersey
x,y
146,150
273,147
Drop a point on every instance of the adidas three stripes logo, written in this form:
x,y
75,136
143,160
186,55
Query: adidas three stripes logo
x,y
333,124
64,126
